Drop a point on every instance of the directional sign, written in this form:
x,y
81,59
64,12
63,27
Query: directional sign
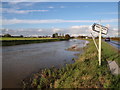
x,y
96,27
101,30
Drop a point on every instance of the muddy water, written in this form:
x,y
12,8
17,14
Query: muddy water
x,y
22,60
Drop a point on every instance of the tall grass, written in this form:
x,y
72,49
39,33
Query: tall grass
x,y
83,73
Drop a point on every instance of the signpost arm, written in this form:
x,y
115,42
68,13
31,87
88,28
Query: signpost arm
x,y
99,56
94,42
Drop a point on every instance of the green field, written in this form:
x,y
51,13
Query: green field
x,y
83,73
12,38
10,41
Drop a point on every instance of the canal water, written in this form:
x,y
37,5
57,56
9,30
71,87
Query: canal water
x,y
20,61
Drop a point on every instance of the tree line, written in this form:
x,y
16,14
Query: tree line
x,y
55,35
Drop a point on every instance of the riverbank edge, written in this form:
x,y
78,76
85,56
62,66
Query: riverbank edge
x,y
20,42
84,73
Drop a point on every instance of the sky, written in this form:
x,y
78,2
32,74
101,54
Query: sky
x,y
60,0
46,18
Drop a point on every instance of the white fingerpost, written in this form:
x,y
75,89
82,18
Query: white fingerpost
x,y
99,54
101,30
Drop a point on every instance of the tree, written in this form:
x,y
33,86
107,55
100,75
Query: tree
x,y
21,35
67,36
55,35
7,35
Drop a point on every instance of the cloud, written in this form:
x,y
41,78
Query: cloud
x,y
108,25
4,10
19,0
111,13
84,30
28,32
19,5
73,31
113,32
13,3
80,30
20,21
60,1
28,3
115,29
110,20
62,6
75,35
51,7
40,30
87,29
55,30
79,27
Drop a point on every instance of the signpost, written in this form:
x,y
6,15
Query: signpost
x,y
101,30
96,27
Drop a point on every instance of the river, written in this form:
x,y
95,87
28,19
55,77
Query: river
x,y
20,61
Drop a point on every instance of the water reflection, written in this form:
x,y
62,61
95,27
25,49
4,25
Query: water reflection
x,y
22,60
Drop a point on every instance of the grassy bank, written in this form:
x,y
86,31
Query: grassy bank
x,y
110,53
19,41
84,73
116,39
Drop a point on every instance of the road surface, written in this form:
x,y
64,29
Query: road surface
x,y
115,44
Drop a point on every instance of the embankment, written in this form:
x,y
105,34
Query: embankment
x,y
27,41
84,73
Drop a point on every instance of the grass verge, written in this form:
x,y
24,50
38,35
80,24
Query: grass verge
x,y
19,41
83,73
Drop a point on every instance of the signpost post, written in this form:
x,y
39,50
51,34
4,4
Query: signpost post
x,y
99,55
101,30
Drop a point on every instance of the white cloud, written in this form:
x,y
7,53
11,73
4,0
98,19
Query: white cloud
x,y
51,7
40,30
13,3
60,0
18,21
110,20
115,29
19,5
108,25
116,13
80,30
75,35
55,30
76,27
79,27
87,29
62,6
28,4
21,11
